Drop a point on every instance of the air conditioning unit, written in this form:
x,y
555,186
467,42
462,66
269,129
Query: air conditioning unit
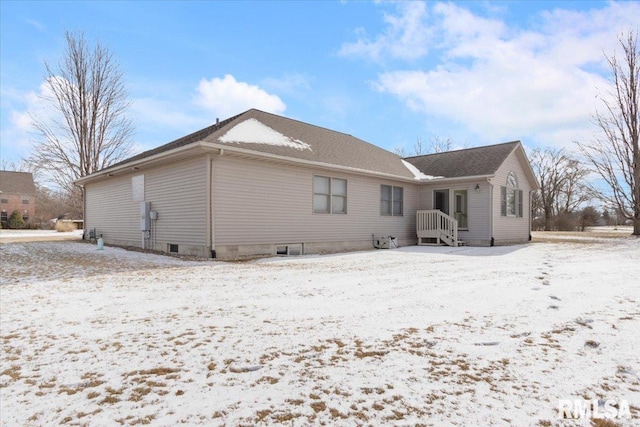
x,y
384,242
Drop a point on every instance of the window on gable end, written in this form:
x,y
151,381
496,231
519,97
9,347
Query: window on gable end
x,y
511,197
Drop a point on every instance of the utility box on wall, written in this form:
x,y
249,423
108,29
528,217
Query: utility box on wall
x,y
145,216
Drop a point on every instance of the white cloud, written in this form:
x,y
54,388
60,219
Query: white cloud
x,y
152,112
17,137
226,97
407,36
37,25
291,83
504,82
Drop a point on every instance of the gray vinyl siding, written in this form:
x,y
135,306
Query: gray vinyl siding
x,y
479,229
478,205
110,211
508,229
179,194
257,203
177,191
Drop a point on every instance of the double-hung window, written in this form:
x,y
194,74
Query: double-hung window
x,y
511,197
329,195
391,200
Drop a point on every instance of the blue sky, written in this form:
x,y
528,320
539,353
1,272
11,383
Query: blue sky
x,y
387,72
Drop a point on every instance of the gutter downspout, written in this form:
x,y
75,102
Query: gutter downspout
x,y
491,212
84,210
209,221
530,214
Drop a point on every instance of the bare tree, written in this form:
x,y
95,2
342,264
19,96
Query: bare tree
x,y
87,129
436,145
614,152
563,185
10,165
439,145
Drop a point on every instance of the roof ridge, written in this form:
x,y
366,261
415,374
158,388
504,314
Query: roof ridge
x,y
463,149
304,123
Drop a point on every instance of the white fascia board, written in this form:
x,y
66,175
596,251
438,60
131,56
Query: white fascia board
x,y
458,179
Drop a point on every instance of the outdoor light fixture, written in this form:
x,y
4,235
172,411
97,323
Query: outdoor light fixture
x,y
478,187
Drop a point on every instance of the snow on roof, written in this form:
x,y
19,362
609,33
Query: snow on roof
x,y
416,173
252,131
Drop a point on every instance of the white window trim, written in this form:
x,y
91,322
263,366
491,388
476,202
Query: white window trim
x,y
330,196
391,201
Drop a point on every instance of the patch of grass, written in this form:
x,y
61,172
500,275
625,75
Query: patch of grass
x,y
337,414
270,380
138,393
602,422
144,421
153,371
261,415
65,227
113,390
318,406
374,353
13,372
155,384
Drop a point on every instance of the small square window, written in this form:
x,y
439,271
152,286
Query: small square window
x,y
25,201
173,249
4,200
289,250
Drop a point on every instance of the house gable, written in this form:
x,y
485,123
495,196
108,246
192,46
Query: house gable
x,y
478,161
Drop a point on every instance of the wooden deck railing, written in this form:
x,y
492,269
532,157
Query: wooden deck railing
x,y
435,224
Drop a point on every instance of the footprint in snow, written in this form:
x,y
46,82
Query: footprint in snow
x,y
546,282
554,297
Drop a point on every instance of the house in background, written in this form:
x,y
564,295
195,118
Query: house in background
x,y
17,192
261,184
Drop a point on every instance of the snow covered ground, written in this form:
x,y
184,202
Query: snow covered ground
x,y
12,236
413,336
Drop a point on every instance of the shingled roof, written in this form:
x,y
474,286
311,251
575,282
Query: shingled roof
x,y
17,182
293,139
180,142
479,161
